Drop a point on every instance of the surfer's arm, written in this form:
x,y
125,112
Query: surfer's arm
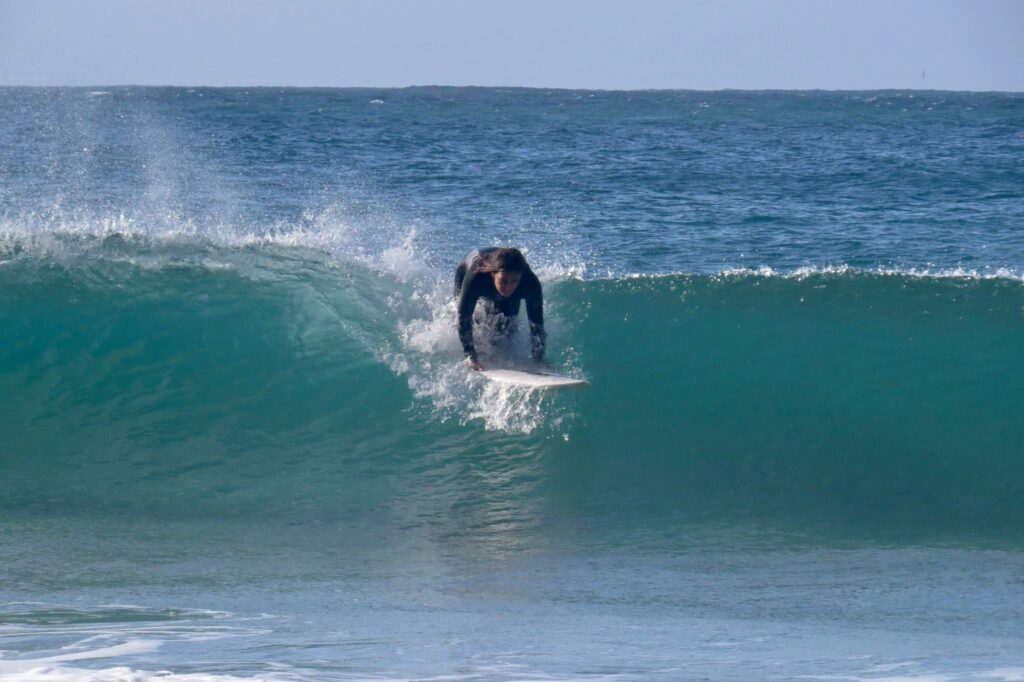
x,y
535,314
467,303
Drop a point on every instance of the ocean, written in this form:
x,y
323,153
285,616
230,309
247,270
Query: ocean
x,y
237,441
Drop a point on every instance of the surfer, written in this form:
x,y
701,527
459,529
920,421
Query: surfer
x,y
502,278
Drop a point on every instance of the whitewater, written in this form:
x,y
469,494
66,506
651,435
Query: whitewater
x,y
238,443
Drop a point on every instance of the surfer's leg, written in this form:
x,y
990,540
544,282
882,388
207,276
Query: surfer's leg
x,y
487,322
503,332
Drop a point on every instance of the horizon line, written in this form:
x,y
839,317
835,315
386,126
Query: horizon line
x,y
502,87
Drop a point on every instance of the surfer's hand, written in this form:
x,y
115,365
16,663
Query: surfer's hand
x,y
474,364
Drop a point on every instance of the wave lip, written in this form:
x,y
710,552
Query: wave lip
x,y
807,271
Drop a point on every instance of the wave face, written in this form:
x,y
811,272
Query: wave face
x,y
272,380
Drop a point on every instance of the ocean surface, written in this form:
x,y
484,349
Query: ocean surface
x,y
237,442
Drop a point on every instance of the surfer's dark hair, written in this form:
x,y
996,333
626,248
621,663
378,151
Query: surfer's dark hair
x,y
503,260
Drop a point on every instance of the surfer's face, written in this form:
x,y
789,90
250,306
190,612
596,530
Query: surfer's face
x,y
506,282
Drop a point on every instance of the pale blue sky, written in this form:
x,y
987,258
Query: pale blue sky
x,y
604,44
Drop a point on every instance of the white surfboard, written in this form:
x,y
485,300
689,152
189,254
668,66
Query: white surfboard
x,y
533,378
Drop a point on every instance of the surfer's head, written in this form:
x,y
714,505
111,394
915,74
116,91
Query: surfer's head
x,y
506,266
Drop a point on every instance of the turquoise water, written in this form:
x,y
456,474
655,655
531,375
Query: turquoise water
x,y
237,441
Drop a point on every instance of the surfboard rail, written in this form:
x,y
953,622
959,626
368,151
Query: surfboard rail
x,y
533,378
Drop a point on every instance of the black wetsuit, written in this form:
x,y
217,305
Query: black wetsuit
x,y
471,286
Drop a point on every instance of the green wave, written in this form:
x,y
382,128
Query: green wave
x,y
257,382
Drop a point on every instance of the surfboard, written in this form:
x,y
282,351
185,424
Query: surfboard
x,y
533,378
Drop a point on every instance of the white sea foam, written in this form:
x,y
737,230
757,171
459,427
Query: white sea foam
x,y
117,674
101,634
805,272
430,358
914,272
429,354
383,243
